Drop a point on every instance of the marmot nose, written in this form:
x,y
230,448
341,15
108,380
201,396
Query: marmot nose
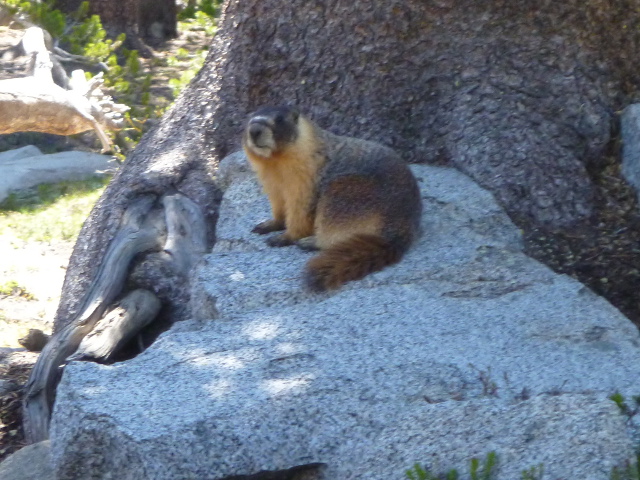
x,y
255,131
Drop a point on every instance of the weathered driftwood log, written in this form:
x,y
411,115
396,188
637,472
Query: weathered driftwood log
x,y
74,62
167,273
186,232
131,314
139,232
175,229
36,104
37,44
29,105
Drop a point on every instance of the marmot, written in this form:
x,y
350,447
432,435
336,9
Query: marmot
x,y
353,199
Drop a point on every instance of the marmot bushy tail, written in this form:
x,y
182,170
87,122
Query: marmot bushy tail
x,y
349,260
355,200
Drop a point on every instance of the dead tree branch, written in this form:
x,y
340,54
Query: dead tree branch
x,y
137,234
131,314
36,104
175,229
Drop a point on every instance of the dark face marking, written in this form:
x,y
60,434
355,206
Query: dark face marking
x,y
282,121
256,132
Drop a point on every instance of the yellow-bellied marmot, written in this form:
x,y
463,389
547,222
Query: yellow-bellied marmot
x,y
355,200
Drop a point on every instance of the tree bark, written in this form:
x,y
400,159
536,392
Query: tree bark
x,y
519,95
158,19
151,19
117,16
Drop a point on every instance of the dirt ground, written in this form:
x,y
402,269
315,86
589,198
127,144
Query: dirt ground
x,y
39,268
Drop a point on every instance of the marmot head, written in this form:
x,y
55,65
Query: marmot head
x,y
270,129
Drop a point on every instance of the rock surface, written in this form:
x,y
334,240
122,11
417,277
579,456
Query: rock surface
x,y
27,167
33,462
466,346
18,153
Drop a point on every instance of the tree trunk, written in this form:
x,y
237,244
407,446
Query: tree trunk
x,y
143,21
158,19
121,17
68,6
149,19
117,16
519,95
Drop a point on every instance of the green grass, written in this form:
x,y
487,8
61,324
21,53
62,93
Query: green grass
x,y
50,212
480,470
13,288
533,473
486,470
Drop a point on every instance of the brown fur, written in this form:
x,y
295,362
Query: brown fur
x,y
350,259
290,183
357,197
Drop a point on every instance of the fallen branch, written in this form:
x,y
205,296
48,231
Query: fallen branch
x,y
29,105
85,63
186,232
36,104
178,232
132,314
139,232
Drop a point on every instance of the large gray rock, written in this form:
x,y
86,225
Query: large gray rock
x,y
29,463
466,346
25,168
18,153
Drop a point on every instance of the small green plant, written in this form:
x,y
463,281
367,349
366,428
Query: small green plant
x,y
206,22
625,409
210,8
486,471
533,473
478,470
182,54
178,84
14,289
630,471
200,21
42,13
419,473
87,37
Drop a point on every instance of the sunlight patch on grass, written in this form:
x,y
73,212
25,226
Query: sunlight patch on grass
x,y
51,212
